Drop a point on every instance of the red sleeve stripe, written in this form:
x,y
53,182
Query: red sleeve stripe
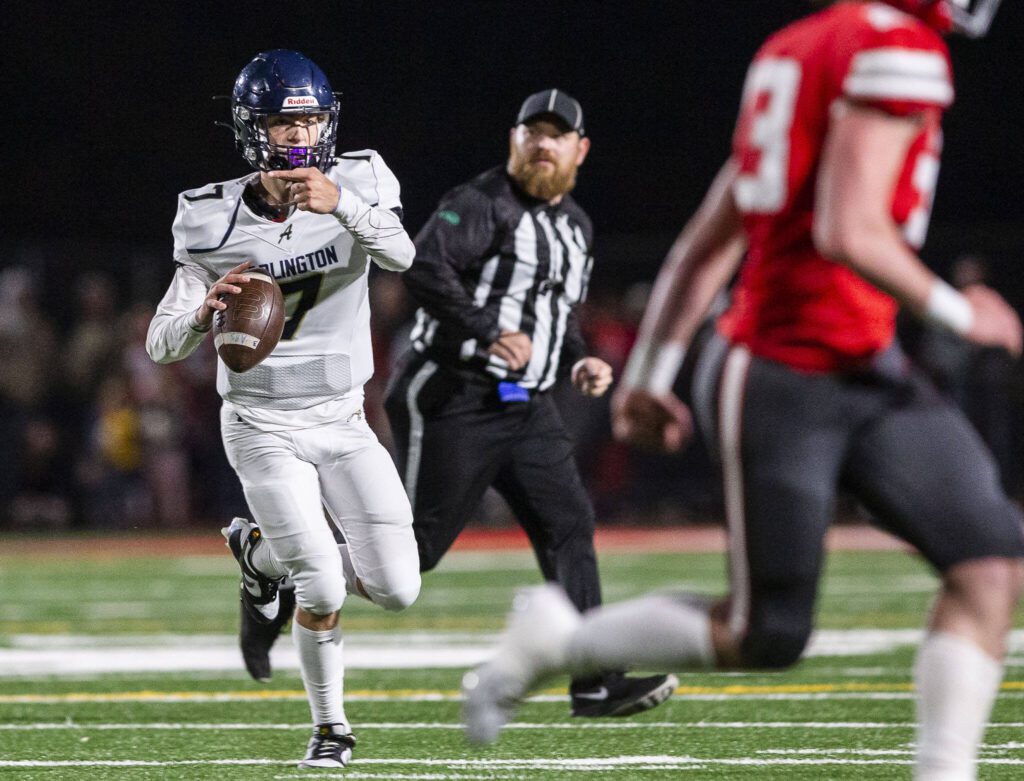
x,y
900,74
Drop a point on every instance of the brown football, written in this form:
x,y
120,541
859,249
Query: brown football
x,y
249,329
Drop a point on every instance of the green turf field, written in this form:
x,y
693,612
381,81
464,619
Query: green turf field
x,y
836,716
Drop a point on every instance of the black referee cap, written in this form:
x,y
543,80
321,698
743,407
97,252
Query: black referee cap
x,y
554,103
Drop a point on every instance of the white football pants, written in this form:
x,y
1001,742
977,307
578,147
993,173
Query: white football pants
x,y
292,477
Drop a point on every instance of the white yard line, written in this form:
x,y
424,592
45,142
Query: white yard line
x,y
35,655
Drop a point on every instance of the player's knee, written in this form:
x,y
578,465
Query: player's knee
x,y
1005,575
320,596
401,598
396,596
986,580
775,647
581,533
321,605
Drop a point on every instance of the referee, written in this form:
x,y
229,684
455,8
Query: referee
x,y
500,269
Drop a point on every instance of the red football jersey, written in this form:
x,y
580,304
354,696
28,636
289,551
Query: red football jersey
x,y
791,304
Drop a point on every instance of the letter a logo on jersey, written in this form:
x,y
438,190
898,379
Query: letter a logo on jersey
x,y
285,234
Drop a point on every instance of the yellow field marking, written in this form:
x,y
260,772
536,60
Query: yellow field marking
x,y
401,694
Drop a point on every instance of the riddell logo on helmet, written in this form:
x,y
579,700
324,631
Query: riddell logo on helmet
x,y
299,102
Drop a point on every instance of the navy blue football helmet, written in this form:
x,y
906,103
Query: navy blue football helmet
x,y
282,81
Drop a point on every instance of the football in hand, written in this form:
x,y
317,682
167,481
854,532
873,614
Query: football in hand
x,y
249,329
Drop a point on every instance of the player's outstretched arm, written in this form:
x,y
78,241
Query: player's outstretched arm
x,y
699,264
863,155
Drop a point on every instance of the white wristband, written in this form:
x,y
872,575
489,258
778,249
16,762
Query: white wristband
x,y
948,308
654,368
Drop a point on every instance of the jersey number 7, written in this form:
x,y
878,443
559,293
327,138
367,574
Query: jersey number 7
x,y
307,288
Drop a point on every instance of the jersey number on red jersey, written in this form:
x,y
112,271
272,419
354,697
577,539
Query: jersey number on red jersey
x,y
762,186
770,97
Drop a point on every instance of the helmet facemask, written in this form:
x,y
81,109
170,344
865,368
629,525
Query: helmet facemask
x,y
252,135
972,17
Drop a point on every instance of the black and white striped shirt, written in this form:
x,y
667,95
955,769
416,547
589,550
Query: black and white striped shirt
x,y
493,259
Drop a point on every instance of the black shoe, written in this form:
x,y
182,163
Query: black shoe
x,y
329,747
256,639
256,589
618,695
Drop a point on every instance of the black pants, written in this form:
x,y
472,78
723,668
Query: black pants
x,y
455,438
788,441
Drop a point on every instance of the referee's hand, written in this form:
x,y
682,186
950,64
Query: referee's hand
x,y
591,376
655,422
514,348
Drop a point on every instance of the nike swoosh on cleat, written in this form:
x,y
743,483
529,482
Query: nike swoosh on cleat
x,y
600,694
251,585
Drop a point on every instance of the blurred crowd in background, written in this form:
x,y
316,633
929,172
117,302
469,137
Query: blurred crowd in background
x,y
94,435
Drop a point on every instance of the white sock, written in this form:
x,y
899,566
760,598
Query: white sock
x,y
653,633
323,669
956,683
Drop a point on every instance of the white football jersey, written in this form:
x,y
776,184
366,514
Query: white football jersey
x,y
321,262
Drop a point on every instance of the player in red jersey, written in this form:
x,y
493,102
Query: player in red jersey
x,y
802,388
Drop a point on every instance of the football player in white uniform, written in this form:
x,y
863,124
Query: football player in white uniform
x,y
293,426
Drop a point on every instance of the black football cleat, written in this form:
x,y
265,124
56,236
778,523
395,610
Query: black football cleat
x,y
258,592
329,747
256,638
615,694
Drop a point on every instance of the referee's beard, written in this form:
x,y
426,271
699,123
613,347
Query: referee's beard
x,y
539,181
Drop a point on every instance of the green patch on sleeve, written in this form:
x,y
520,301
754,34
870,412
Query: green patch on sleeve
x,y
449,216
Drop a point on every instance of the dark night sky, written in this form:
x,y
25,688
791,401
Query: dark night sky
x,y
113,112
